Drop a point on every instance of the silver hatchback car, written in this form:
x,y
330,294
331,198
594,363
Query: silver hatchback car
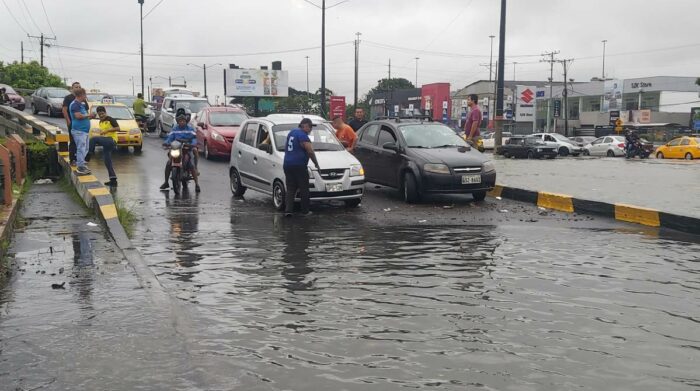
x,y
257,157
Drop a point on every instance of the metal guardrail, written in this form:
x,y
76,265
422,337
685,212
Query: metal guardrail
x,y
22,123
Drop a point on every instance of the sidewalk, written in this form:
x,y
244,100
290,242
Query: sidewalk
x,y
95,329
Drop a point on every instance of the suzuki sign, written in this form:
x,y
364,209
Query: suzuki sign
x,y
525,110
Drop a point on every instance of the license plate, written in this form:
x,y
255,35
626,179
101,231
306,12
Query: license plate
x,y
334,187
471,179
122,139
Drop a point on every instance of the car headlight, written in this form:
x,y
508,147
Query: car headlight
x,y
217,136
356,170
436,168
135,131
489,166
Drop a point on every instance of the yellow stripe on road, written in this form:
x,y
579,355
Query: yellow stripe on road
x,y
555,201
635,214
99,191
109,211
497,191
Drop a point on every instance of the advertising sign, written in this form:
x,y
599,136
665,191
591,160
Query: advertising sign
x,y
257,82
614,116
695,118
612,95
525,111
338,107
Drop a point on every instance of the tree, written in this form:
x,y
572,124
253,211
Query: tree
x,y
30,76
385,84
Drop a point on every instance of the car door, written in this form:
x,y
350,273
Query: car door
x,y
44,101
365,150
596,147
387,161
201,131
673,149
244,153
684,147
264,165
167,115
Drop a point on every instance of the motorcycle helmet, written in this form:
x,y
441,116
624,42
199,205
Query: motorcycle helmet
x,y
184,112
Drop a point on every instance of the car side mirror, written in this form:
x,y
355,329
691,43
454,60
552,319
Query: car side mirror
x,y
391,146
202,125
265,147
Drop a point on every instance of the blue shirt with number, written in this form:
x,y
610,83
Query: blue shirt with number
x,y
294,153
82,125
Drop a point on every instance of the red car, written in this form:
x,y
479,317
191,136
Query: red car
x,y
216,128
15,99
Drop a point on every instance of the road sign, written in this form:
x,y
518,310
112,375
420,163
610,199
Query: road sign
x,y
557,108
618,123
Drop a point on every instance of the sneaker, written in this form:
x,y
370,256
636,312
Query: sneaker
x,y
83,171
165,186
111,183
309,213
287,214
197,189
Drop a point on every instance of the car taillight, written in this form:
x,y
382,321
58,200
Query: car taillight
x,y
621,145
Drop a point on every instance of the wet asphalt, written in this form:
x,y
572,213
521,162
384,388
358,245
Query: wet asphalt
x,y
447,294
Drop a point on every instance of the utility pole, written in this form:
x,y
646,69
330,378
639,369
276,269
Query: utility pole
x,y
390,70
565,96
357,64
605,41
490,113
500,76
551,62
141,20
133,87
417,58
41,38
21,44
323,58
204,68
514,64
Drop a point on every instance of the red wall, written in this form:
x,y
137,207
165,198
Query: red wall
x,y
438,93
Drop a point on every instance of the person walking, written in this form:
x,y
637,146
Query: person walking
x,y
298,151
108,131
345,134
358,120
66,115
471,127
80,129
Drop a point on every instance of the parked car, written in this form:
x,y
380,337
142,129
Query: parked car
x,y
49,100
171,104
257,158
609,146
490,139
129,134
420,157
582,141
216,129
16,100
528,147
687,148
564,145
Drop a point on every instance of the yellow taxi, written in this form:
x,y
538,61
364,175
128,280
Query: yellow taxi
x,y
129,134
687,148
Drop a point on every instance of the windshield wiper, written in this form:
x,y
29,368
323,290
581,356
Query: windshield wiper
x,y
417,146
446,145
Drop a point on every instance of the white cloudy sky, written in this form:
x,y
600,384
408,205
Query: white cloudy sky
x,y
451,37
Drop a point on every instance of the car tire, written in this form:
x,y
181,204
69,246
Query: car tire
x,y
688,156
586,153
161,132
138,148
278,195
659,155
479,195
410,188
49,112
205,151
563,151
530,155
237,187
506,155
353,203
610,154
35,110
176,178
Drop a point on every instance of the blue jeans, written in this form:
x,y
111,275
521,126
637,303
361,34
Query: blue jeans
x,y
81,144
108,145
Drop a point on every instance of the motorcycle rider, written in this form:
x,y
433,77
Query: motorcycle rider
x,y
139,107
183,133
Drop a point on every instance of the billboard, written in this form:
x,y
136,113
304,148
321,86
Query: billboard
x,y
525,110
257,82
612,95
695,118
337,107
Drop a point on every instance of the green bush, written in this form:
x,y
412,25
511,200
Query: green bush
x,y
37,159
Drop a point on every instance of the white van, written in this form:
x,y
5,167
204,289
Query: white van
x,y
257,158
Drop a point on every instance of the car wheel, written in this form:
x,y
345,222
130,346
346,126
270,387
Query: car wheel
x,y
506,155
35,110
586,153
49,111
161,132
563,151
611,154
479,195
206,151
138,148
236,187
659,155
278,195
410,188
353,203
688,156
530,155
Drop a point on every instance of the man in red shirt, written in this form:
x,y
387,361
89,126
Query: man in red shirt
x,y
471,127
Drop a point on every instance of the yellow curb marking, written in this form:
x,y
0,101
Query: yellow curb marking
x,y
635,214
555,201
86,178
109,211
99,191
497,191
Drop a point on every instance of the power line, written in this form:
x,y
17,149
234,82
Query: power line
x,y
13,17
30,15
152,9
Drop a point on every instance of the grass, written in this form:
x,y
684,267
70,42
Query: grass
x,y
126,215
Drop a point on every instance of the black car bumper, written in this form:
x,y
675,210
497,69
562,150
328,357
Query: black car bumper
x,y
438,183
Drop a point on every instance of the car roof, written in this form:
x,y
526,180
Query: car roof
x,y
224,109
292,117
95,104
184,97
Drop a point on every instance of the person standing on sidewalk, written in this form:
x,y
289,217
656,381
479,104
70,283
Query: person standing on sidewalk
x,y
108,131
80,129
297,153
66,115
471,127
358,120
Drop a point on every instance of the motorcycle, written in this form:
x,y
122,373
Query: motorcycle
x,y
141,121
636,148
180,155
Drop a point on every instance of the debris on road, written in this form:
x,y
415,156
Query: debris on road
x,y
45,181
91,224
58,286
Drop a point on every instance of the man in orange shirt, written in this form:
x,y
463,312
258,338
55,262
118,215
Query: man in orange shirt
x,y
344,133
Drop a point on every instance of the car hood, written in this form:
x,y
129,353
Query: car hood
x,y
453,157
226,131
334,159
14,97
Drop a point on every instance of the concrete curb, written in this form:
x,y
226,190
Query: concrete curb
x,y
8,216
98,197
621,212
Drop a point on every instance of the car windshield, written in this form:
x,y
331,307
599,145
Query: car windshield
x,y
559,137
56,93
116,112
95,97
194,106
8,89
322,138
226,118
430,136
127,101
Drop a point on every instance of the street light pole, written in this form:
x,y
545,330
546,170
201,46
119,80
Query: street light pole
x,y
500,75
605,41
141,20
323,59
514,64
417,58
357,65
133,88
490,112
307,82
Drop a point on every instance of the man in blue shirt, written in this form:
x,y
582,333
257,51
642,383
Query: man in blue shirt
x,y
183,133
80,129
297,153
